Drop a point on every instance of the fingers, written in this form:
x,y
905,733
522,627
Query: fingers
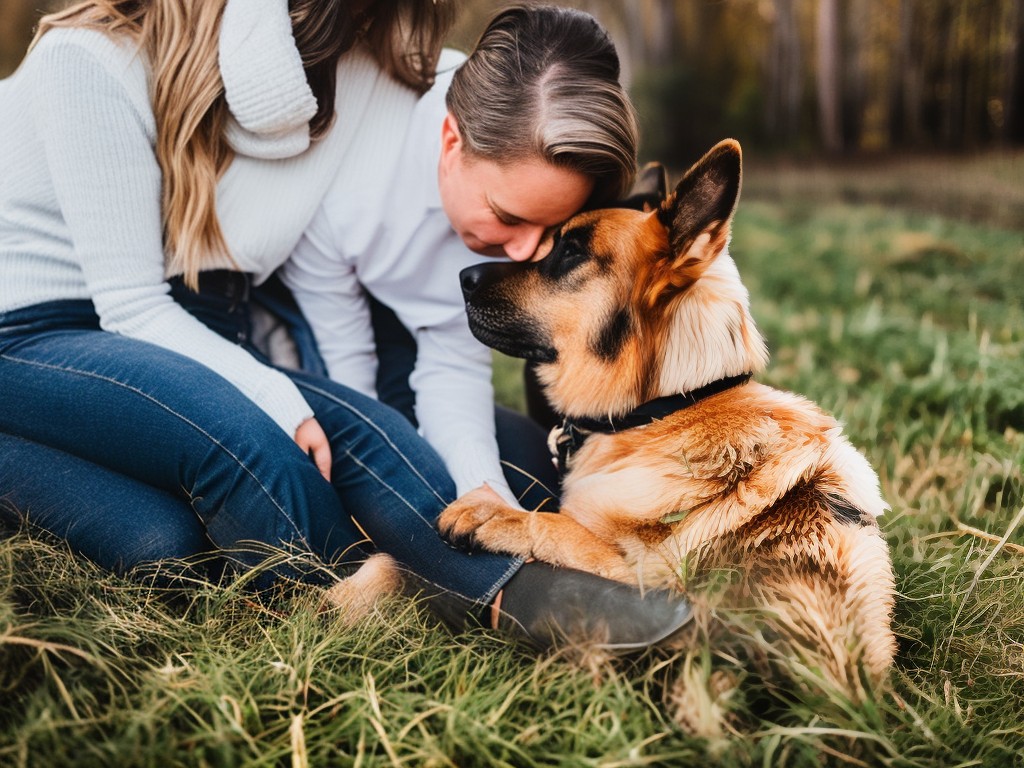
x,y
321,456
482,493
310,438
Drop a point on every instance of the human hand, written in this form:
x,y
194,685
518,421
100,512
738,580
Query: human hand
x,y
311,439
482,494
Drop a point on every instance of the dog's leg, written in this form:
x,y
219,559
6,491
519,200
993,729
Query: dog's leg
x,y
827,602
552,538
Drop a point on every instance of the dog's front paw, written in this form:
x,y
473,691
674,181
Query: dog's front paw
x,y
460,522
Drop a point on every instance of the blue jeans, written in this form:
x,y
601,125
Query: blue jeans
x,y
134,453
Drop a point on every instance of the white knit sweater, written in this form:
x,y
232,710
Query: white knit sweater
x,y
80,203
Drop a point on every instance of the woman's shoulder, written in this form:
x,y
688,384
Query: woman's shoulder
x,y
361,77
118,54
369,102
94,62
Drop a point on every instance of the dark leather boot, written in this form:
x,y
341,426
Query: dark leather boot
x,y
547,607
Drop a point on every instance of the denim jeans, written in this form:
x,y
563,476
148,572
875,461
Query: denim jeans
x,y
134,453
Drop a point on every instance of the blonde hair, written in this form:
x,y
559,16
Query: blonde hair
x,y
543,81
180,39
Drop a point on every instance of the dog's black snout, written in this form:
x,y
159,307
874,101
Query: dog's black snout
x,y
490,273
471,278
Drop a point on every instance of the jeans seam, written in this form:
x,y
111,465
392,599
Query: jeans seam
x,y
514,564
366,468
382,434
183,418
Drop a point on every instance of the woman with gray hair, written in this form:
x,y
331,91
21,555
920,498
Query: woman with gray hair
x,y
543,83
155,183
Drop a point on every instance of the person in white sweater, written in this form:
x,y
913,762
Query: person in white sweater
x,y
159,162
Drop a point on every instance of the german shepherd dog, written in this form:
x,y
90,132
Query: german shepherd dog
x,y
679,468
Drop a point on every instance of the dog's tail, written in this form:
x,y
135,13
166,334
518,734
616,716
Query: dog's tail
x,y
356,596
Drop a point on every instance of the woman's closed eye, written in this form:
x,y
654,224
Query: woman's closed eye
x,y
504,217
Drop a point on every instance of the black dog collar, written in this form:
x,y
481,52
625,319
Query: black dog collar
x,y
568,438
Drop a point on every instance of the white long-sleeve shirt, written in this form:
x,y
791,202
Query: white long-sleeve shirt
x,y
80,213
381,229
80,218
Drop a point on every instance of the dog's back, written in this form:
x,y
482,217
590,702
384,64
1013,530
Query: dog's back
x,y
751,500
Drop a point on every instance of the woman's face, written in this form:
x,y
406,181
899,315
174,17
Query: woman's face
x,y
505,210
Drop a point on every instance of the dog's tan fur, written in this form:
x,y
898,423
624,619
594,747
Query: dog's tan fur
x,y
354,598
754,483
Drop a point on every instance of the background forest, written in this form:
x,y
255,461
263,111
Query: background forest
x,y
840,76
833,75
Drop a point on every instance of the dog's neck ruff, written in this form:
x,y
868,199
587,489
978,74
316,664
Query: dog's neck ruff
x,y
569,437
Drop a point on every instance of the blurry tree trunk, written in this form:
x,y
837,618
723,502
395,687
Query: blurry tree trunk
x,y
785,74
644,32
650,29
662,32
854,34
952,79
983,35
908,79
828,80
1012,129
636,43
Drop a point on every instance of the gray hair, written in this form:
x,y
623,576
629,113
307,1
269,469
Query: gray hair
x,y
543,82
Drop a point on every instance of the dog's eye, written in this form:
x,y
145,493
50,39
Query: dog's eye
x,y
567,254
569,259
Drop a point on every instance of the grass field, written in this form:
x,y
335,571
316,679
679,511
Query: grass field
x,y
900,311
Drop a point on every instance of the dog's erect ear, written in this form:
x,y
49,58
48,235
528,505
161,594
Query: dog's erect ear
x,y
649,190
698,214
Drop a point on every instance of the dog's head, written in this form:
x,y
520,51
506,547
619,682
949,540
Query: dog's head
x,y
629,305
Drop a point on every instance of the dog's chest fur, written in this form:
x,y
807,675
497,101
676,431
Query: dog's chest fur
x,y
744,465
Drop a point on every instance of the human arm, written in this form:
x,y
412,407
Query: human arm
x,y
331,298
99,134
455,404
